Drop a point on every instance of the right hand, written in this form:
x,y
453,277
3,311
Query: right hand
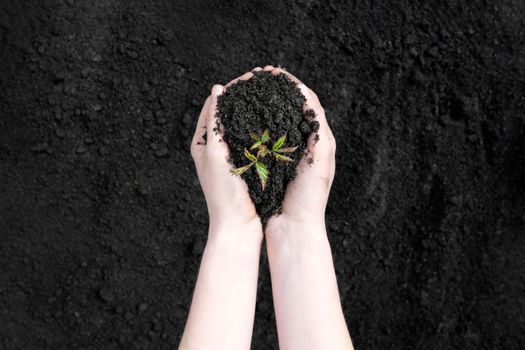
x,y
307,195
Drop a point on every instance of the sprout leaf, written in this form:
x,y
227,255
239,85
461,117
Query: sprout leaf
x,y
279,143
282,158
262,171
250,156
265,136
287,149
256,145
241,170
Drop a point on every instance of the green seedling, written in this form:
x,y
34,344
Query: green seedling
x,y
276,151
261,169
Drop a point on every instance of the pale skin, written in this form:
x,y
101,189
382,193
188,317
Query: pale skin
x,y
305,293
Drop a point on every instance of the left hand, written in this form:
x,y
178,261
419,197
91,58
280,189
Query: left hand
x,y
227,198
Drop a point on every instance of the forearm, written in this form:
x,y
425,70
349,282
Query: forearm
x,y
306,297
223,306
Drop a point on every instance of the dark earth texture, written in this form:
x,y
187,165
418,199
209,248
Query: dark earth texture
x,y
102,220
273,104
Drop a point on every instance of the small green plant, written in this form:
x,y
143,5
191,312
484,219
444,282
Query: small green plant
x,y
276,151
261,169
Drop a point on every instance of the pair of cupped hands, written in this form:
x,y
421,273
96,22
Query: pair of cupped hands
x,y
230,208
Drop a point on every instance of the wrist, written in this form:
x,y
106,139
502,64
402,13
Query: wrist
x,y
284,223
287,233
236,233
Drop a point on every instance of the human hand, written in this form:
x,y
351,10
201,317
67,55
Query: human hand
x,y
229,205
223,307
304,284
307,195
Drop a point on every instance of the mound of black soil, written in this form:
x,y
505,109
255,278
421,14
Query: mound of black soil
x,y
273,103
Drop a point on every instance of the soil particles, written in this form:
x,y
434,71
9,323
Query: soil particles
x,y
273,104
102,219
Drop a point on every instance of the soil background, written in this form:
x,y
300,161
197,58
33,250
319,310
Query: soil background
x,y
102,220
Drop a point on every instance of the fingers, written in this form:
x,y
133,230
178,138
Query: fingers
x,y
248,75
292,77
268,68
212,125
245,76
312,102
322,143
200,130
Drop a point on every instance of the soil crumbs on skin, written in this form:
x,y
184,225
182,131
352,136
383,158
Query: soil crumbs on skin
x,y
266,102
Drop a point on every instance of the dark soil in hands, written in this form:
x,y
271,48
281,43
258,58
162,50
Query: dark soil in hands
x,y
273,103
102,218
